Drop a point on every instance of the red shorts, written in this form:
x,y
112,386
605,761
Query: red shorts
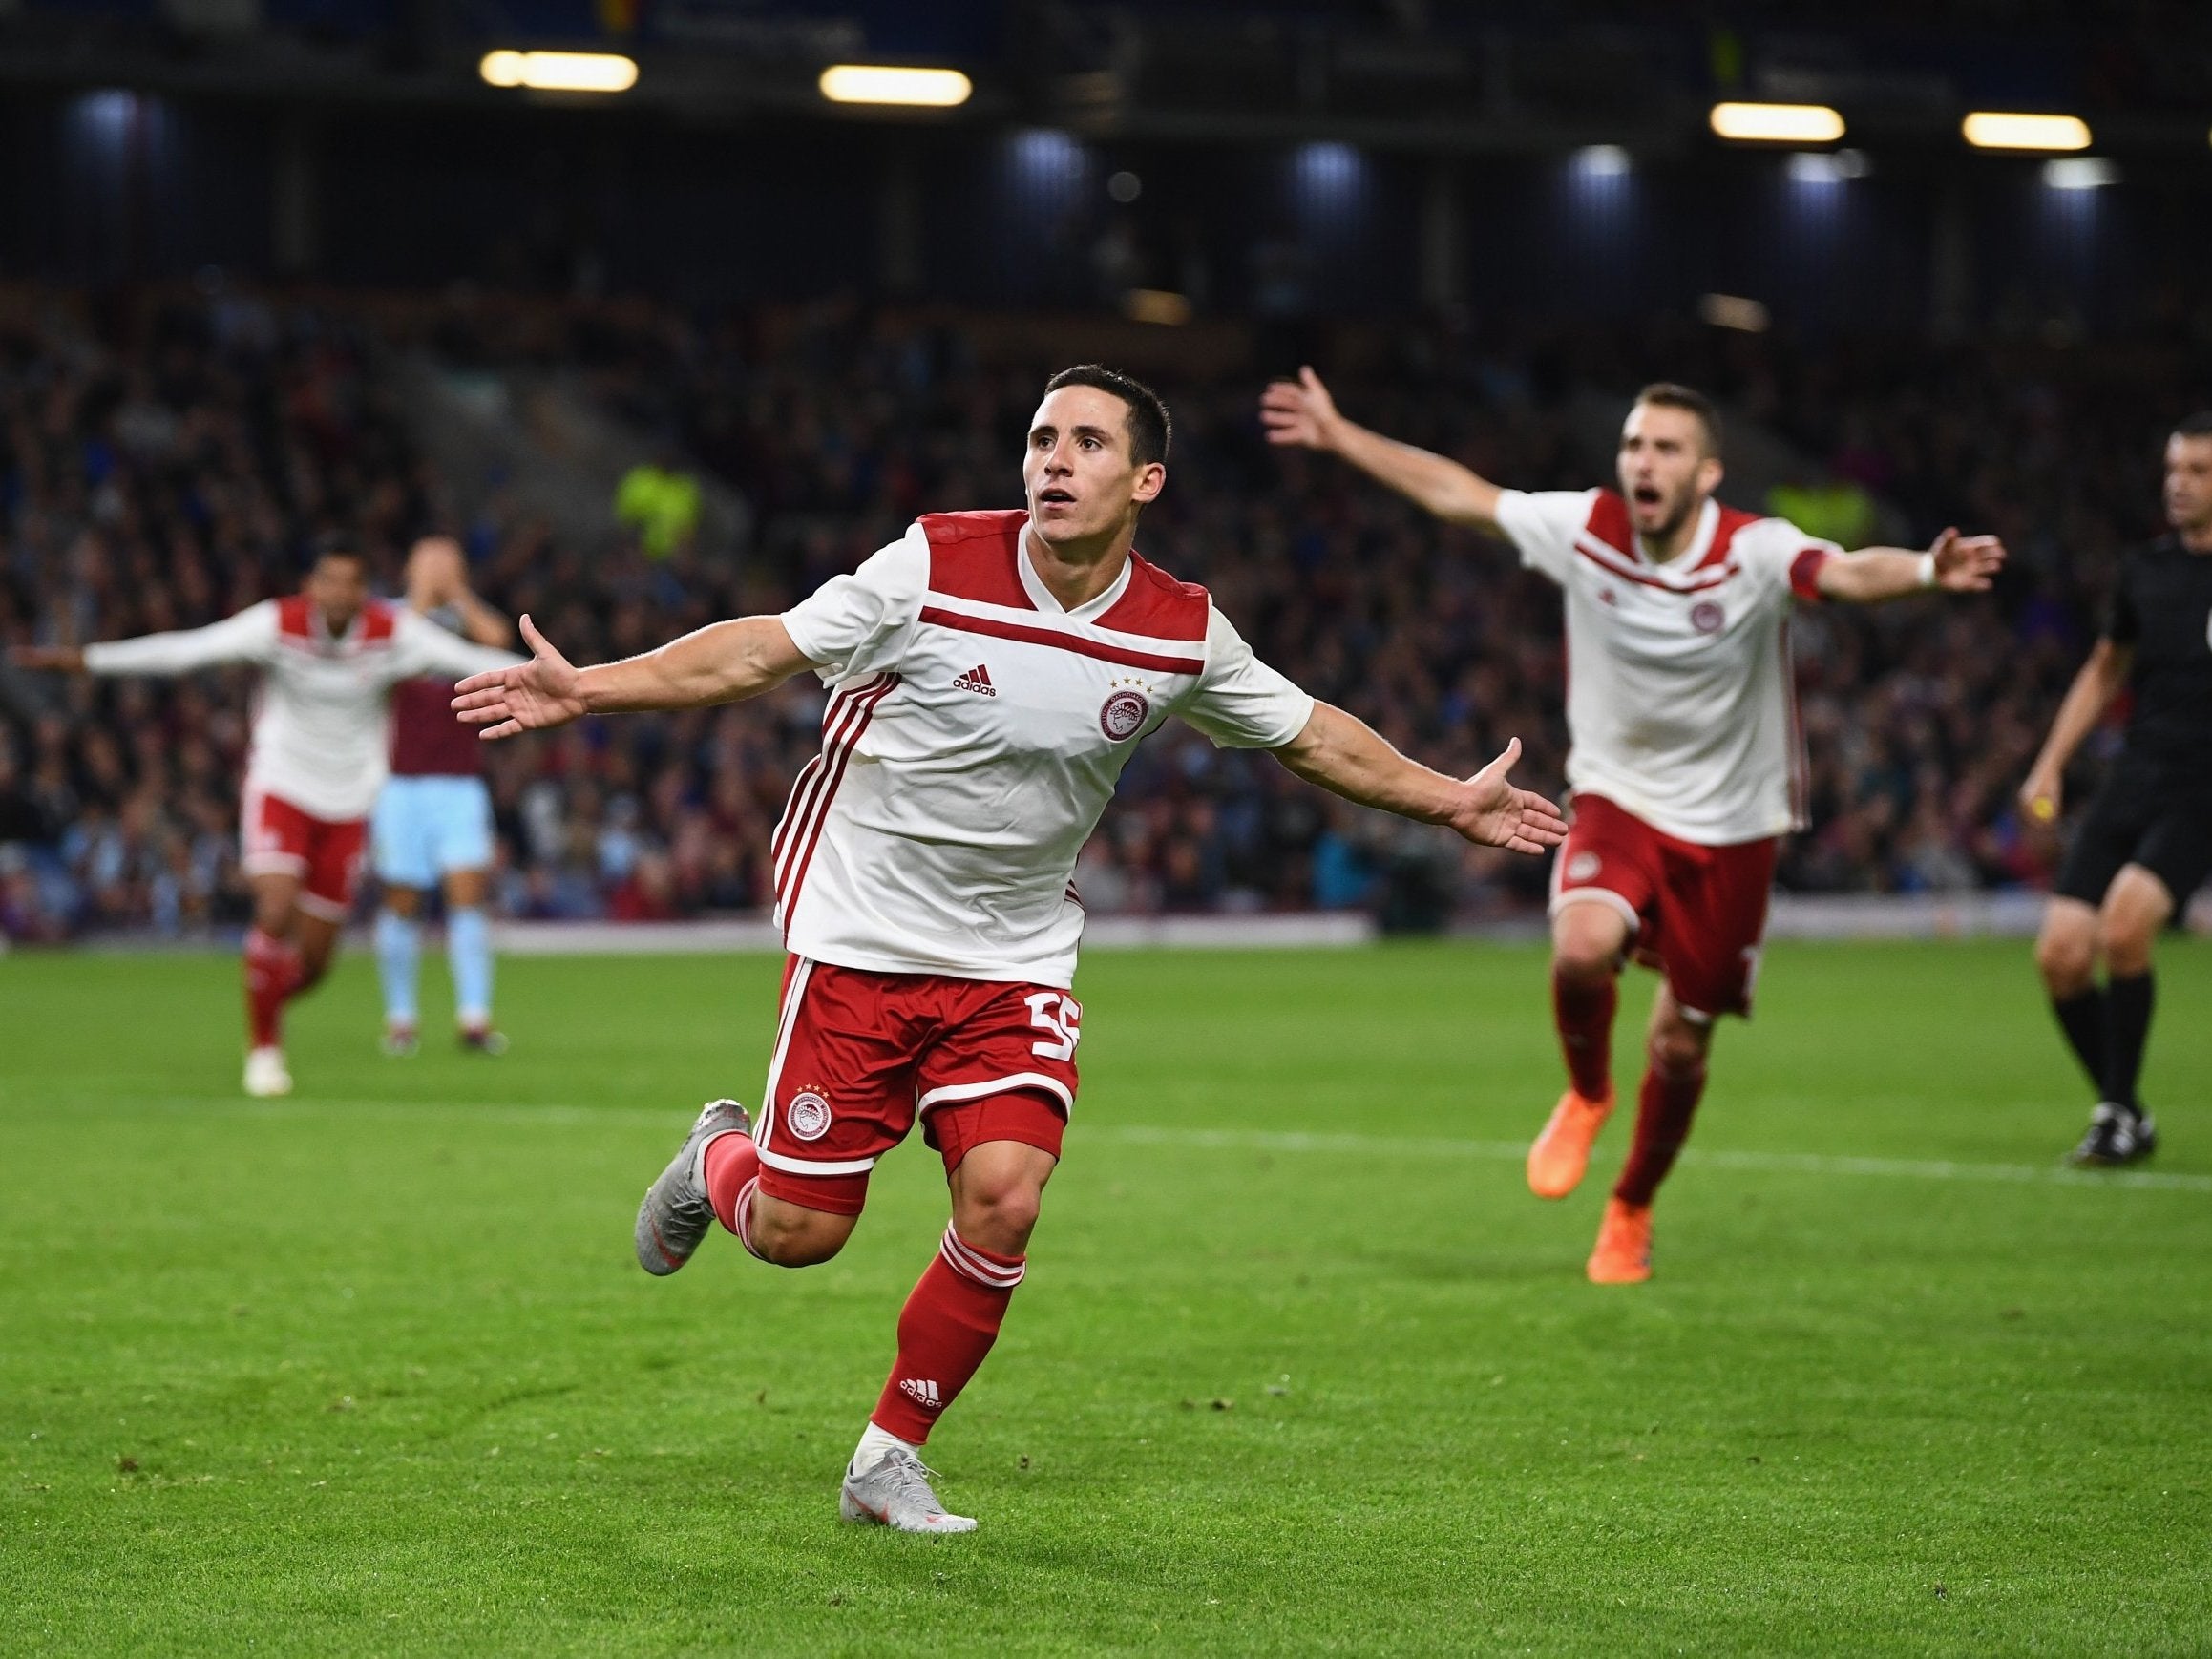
x,y
1699,912
279,839
859,1056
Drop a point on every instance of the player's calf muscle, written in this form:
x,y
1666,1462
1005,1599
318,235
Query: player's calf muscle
x,y
791,1235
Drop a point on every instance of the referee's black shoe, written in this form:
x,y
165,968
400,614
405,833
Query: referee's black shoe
x,y
2117,1135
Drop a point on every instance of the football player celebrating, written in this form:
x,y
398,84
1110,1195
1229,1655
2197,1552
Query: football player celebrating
x,y
330,656
2145,844
990,673
1686,764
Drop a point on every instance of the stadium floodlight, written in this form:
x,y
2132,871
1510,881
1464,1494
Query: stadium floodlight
x,y
875,83
2080,173
1777,123
560,72
1995,130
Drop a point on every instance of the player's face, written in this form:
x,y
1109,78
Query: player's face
x,y
2189,483
1665,470
1078,472
433,572
338,586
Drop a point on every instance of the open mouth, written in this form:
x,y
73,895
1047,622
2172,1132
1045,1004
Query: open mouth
x,y
1647,496
1055,496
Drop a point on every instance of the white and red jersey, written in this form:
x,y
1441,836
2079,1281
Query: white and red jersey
x,y
319,730
973,737
1679,699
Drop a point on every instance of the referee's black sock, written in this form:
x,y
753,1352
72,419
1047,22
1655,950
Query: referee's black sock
x,y
2081,1016
2127,1026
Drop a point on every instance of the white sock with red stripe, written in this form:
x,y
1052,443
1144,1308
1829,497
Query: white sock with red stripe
x,y
944,1333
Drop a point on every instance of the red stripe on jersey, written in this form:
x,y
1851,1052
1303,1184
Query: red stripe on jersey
x,y
1075,642
808,785
295,620
1650,581
1801,766
1609,523
863,707
1156,605
972,554
1732,519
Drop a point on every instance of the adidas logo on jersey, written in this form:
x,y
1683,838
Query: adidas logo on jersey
x,y
922,1394
977,680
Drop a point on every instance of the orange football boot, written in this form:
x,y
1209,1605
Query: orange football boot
x,y
1561,1153
1623,1255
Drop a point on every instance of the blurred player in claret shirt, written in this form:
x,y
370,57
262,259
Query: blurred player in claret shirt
x,y
989,675
1686,762
2145,844
432,826
330,656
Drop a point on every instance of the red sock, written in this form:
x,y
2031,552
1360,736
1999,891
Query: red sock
x,y
1583,1010
945,1329
1665,1104
732,1171
272,972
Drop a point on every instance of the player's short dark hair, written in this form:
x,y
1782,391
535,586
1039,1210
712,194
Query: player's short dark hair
x,y
1150,428
2196,426
1672,395
331,544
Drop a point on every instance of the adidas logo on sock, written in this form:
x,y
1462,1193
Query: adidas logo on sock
x,y
922,1394
977,680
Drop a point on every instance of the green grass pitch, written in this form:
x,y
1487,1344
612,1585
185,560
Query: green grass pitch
x,y
1299,1366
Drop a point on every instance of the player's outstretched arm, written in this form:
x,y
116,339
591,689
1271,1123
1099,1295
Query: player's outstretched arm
x,y
2043,795
723,663
1301,413
248,637
1345,755
1957,564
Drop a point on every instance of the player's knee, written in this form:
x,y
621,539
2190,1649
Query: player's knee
x,y
2066,957
2127,942
999,1214
1586,943
1678,1048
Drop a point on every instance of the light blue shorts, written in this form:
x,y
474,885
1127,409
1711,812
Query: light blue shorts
x,y
426,828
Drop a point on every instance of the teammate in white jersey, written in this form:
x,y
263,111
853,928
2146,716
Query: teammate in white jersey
x,y
1686,762
990,675
330,655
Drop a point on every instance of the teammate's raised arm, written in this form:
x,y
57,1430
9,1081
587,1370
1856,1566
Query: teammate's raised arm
x,y
1957,564
1347,757
1301,413
722,663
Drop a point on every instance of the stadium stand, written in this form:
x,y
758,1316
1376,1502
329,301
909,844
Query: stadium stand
x,y
165,454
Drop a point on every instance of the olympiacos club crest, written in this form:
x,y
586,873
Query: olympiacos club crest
x,y
808,1117
1123,714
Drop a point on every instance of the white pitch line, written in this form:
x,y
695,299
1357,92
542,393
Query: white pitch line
x,y
1217,1139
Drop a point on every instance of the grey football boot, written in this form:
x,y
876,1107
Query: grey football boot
x,y
676,1215
894,1492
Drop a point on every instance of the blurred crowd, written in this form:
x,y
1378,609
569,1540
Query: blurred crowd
x,y
165,456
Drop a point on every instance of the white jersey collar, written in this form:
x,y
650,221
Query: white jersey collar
x,y
1043,598
1692,556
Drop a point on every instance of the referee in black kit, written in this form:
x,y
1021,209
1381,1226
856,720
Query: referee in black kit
x,y
2145,843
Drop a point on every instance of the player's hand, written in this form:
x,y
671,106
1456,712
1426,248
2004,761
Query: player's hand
x,y
62,658
1299,411
534,696
2042,798
1494,813
1965,564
